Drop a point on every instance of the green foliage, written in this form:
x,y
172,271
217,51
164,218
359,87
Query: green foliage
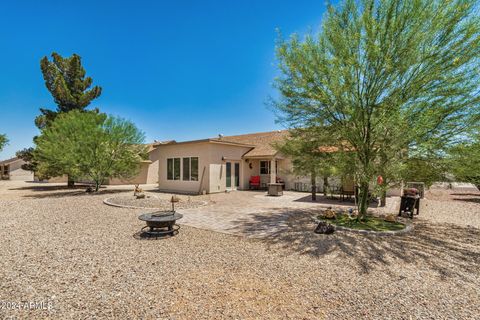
x,y
70,88
92,146
369,223
463,160
386,77
303,147
65,79
426,169
3,141
27,156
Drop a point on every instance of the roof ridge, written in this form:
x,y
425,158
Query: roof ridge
x,y
256,133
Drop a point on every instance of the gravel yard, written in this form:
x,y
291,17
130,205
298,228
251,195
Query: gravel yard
x,y
69,249
156,202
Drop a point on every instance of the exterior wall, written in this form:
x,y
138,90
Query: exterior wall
x,y
152,175
148,173
284,171
210,166
17,173
140,178
249,172
217,179
218,166
200,150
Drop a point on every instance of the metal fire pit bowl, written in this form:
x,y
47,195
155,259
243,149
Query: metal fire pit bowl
x,y
161,223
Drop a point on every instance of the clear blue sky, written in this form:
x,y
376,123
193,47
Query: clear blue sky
x,y
178,69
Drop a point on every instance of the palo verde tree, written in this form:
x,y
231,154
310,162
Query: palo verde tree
x,y
66,80
386,77
93,146
463,160
306,148
3,141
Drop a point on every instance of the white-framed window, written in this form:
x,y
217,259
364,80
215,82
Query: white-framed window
x,y
265,166
173,169
190,169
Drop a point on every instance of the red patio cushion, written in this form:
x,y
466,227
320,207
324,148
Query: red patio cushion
x,y
254,180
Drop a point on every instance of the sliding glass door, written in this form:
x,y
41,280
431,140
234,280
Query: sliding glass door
x,y
232,175
228,175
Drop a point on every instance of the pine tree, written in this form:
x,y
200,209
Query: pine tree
x,y
66,80
70,88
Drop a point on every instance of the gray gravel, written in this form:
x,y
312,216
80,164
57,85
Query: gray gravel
x,y
84,258
161,202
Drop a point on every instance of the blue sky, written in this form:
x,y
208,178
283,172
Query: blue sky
x,y
178,69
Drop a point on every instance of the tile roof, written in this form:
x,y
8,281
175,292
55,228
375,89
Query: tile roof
x,y
263,142
153,145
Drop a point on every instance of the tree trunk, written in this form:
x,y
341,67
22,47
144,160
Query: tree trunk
x,y
70,182
363,203
97,186
325,185
313,179
383,198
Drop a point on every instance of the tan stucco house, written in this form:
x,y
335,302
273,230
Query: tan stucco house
x,y
11,169
223,163
227,163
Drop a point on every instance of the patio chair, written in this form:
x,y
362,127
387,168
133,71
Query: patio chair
x,y
254,182
347,189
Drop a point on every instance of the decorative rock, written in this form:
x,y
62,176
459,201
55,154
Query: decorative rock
x,y
324,228
390,218
138,191
329,214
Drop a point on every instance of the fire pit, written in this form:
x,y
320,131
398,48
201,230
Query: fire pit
x,y
161,223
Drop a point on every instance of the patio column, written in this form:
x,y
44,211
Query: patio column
x,y
273,171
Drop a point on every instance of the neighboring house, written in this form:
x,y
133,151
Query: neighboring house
x,y
224,163
11,169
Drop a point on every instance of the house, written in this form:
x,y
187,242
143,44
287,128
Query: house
x,y
224,163
11,169
147,174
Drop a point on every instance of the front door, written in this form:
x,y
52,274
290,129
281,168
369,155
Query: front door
x,y
232,175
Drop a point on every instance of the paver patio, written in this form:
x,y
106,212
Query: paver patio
x,y
254,214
